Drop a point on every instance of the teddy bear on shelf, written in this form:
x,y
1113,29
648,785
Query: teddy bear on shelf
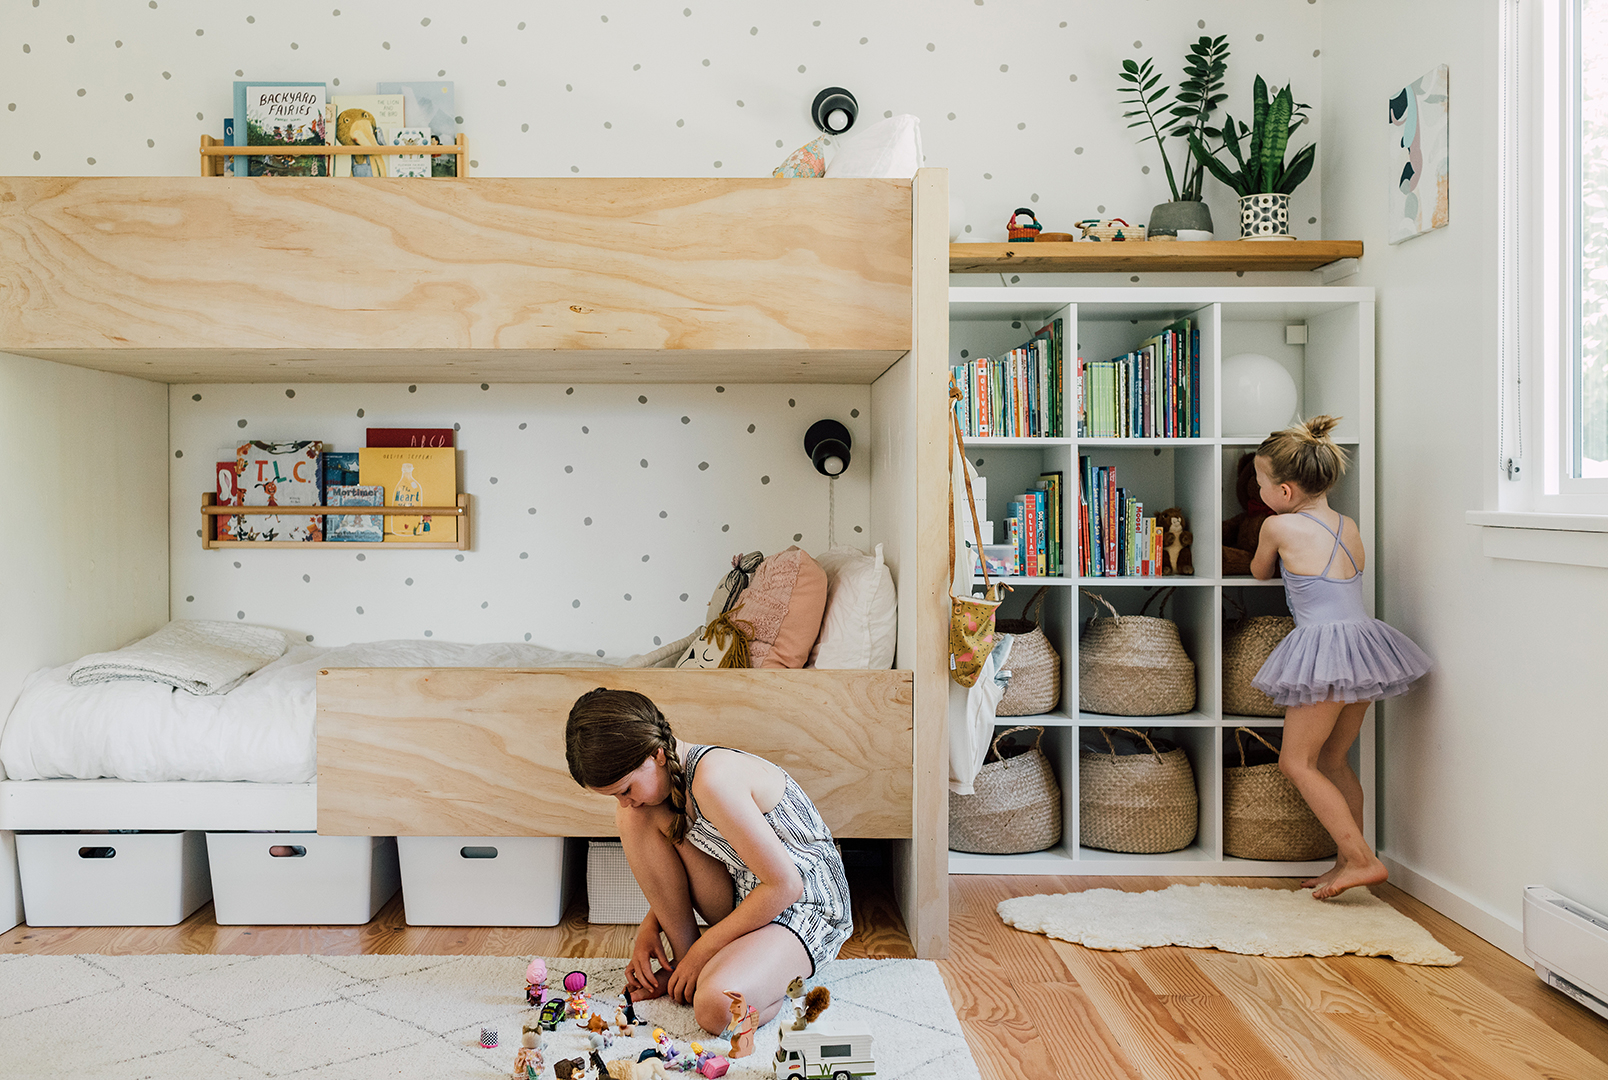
x,y
1243,531
1175,543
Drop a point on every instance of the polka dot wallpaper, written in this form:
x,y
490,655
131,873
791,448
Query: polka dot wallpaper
x,y
603,515
1017,100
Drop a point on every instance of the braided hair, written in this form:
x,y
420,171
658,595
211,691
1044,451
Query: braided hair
x,y
1304,455
612,732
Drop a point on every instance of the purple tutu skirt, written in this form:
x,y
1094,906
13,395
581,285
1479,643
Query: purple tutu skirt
x,y
1362,660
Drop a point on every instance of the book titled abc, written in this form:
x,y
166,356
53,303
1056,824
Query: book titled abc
x,y
414,476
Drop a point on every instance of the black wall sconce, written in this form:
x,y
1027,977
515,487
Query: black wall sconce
x,y
827,443
834,110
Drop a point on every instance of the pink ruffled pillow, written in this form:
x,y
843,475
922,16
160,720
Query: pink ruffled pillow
x,y
784,603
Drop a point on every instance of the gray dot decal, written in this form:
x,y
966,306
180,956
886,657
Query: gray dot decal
x,y
414,389
429,633
494,480
409,581
532,510
459,558
526,554
793,404
361,557
360,610
360,416
855,413
237,566
240,423
858,529
703,466
571,468
487,386
656,640
1259,37
191,599
720,389
600,651
588,521
666,513
688,420
180,453
292,393
571,390
577,603
527,636
522,428
645,558
309,577
766,480
309,637
725,528
487,603
242,614
644,464
751,431
800,536
628,595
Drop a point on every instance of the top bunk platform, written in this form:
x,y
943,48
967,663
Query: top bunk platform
x,y
202,279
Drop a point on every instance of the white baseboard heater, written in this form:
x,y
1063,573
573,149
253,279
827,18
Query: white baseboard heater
x,y
1568,944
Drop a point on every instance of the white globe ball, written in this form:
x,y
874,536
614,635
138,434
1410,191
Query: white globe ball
x,y
1259,396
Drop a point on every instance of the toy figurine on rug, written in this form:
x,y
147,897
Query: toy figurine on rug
x,y
536,992
570,1068
815,1003
624,1024
740,1029
529,1061
577,1003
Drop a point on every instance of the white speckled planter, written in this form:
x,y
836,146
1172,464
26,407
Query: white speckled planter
x,y
1264,216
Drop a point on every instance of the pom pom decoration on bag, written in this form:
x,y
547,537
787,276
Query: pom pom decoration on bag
x,y
1023,233
971,618
1247,643
1264,815
1017,805
1134,665
1035,667
1140,800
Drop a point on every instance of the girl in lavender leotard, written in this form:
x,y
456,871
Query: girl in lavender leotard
x,y
1338,659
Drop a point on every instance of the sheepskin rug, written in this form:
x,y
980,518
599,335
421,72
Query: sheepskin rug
x,y
1233,918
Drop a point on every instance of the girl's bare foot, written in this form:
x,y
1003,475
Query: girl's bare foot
x,y
646,993
1349,877
1324,878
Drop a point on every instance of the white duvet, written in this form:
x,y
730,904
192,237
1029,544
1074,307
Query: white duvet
x,y
260,731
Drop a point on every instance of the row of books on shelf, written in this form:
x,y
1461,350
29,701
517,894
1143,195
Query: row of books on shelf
x,y
304,114
1151,393
1032,533
1116,539
1017,395
399,467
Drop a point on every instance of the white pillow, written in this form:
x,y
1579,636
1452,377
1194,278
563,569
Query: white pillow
x,y
861,626
890,149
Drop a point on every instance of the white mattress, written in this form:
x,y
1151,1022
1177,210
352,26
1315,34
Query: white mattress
x,y
261,731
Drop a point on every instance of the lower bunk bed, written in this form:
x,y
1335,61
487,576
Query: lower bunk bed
x,y
454,750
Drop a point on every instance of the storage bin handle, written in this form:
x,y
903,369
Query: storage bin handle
x,y
478,852
1239,740
1038,734
1131,731
1098,599
97,853
1163,595
287,851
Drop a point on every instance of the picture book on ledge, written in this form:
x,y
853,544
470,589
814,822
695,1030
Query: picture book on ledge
x,y
414,476
271,474
280,114
364,120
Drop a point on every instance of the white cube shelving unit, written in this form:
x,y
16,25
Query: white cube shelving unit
x,y
1333,372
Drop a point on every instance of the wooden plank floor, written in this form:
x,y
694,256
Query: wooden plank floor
x,y
1036,1009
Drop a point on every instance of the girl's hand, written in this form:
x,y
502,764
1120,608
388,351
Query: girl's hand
x,y
648,947
684,979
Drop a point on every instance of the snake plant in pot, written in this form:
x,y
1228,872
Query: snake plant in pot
x,y
1187,116
1263,180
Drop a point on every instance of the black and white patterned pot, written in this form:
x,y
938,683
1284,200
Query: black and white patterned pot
x,y
1264,215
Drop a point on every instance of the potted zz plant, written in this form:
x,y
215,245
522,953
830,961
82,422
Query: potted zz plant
x,y
1264,180
1186,116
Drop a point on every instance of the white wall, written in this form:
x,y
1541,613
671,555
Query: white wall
x,y
577,543
1492,768
1017,100
85,558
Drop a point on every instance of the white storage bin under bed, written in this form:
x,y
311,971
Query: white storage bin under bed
x,y
484,880
300,878
112,879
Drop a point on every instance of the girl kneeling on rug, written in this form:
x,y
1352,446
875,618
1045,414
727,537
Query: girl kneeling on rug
x,y
1338,659
720,832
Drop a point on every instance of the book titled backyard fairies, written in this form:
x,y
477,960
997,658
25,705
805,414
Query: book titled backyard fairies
x,y
414,476
273,474
284,114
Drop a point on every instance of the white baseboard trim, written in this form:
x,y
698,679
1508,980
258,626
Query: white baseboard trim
x,y
1472,915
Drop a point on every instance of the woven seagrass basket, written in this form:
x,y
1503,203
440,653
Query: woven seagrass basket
x,y
1247,644
1264,815
1142,803
1017,805
1035,666
1134,665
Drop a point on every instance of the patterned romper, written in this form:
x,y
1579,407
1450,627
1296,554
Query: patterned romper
x,y
820,917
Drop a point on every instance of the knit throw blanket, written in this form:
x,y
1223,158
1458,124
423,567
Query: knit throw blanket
x,y
196,657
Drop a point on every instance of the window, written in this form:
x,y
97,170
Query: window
x,y
1585,452
835,1050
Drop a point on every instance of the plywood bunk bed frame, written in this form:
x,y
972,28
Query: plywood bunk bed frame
x,y
534,280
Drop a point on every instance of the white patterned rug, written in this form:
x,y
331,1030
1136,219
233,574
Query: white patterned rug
x,y
180,1017
1233,918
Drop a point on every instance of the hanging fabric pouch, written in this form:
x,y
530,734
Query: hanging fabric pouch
x,y
971,618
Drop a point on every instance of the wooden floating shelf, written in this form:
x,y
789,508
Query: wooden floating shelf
x,y
211,512
213,151
1149,256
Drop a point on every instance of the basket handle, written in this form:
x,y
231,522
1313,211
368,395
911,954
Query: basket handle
x,y
1239,740
1039,734
1098,599
1163,595
1131,731
1011,224
1038,600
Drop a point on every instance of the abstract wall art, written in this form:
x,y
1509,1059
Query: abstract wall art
x,y
1418,158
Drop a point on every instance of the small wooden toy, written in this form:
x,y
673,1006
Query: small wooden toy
x,y
528,1062
740,1029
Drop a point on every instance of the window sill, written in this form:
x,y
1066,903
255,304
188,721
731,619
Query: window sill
x,y
1572,539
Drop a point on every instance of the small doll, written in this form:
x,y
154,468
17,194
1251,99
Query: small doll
x,y
622,1023
536,992
577,1003
530,1054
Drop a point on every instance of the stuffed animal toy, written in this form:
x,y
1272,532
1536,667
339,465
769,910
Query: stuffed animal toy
x,y
1243,531
1175,543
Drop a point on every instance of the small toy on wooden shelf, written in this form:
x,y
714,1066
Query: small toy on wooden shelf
x,y
536,991
740,1028
528,1062
1110,229
1175,543
1025,233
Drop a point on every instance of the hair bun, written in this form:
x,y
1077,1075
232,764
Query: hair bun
x,y
1316,429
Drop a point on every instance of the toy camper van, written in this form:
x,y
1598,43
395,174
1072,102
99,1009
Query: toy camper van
x,y
824,1054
